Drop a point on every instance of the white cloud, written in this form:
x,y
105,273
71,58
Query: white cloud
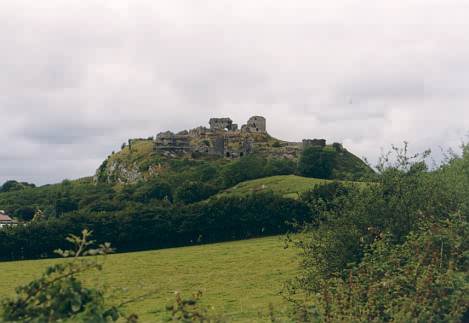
x,y
80,77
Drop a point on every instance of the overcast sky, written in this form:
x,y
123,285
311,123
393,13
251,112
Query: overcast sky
x,y
77,78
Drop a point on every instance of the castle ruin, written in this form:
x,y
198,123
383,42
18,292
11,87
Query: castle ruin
x,y
225,139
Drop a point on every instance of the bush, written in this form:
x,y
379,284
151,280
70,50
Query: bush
x,y
25,213
191,192
151,226
11,186
59,295
246,168
316,162
377,228
154,189
423,280
325,200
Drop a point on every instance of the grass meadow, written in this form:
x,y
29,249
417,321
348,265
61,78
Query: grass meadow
x,y
238,278
286,185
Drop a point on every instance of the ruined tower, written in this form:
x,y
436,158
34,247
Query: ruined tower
x,y
256,124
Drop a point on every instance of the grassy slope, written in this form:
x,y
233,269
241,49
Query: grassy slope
x,y
241,278
286,185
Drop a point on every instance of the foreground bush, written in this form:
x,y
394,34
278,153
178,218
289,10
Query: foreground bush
x,y
59,295
392,251
426,279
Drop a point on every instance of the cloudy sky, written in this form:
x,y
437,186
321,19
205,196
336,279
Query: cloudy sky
x,y
79,77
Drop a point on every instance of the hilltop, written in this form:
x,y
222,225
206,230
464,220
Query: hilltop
x,y
182,188
223,142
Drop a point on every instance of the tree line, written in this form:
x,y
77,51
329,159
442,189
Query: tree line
x,y
152,226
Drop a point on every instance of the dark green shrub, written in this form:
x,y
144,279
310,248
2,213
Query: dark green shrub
x,y
426,279
150,226
248,167
325,199
405,196
25,213
191,192
316,162
279,167
191,310
154,189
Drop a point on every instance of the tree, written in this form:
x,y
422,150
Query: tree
x,y
155,189
316,162
25,213
191,192
10,186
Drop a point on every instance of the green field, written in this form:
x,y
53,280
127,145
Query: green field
x,y
286,185
239,278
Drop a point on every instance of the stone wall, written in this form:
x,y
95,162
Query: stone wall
x,y
314,143
256,124
222,138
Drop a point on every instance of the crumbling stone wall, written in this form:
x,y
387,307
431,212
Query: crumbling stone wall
x,y
314,143
172,142
222,138
221,124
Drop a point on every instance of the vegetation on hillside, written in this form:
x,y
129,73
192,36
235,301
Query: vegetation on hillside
x,y
139,161
393,251
173,181
152,226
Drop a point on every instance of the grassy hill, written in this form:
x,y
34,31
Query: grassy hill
x,y
286,185
240,278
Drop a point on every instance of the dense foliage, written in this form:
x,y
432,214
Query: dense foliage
x,y
392,251
316,162
151,225
11,186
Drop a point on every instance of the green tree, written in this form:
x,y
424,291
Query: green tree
x,y
316,162
155,189
191,192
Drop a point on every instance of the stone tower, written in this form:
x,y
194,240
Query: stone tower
x,y
257,124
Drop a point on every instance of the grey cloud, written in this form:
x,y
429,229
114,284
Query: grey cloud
x,y
80,77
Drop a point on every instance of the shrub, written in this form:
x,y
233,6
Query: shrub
x,y
378,226
150,226
59,295
423,280
25,213
316,162
248,167
191,192
325,200
190,310
154,189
